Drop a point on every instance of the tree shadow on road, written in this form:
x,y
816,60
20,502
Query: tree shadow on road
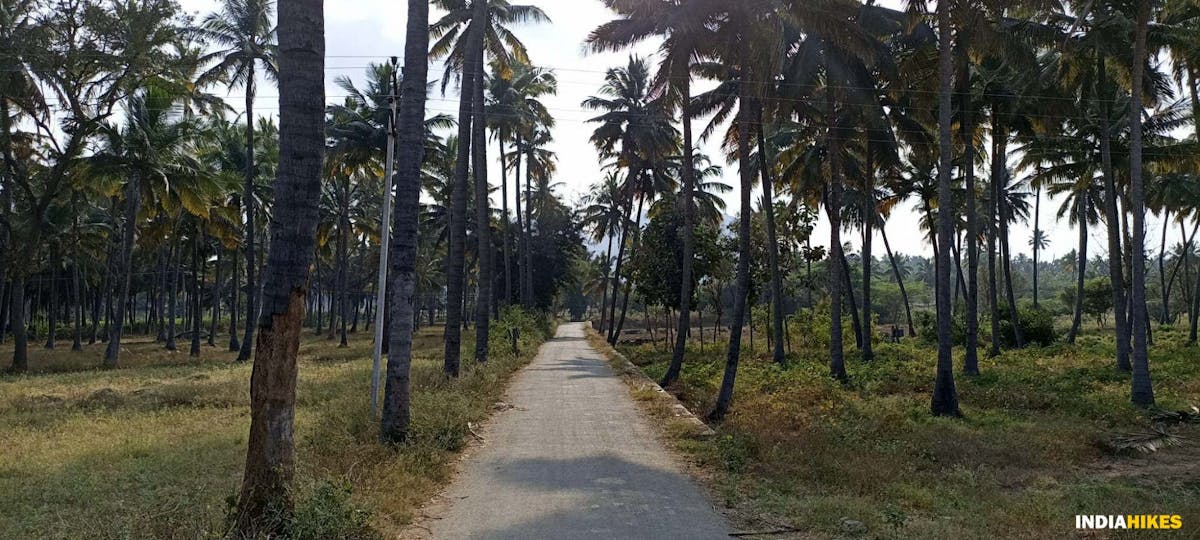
x,y
620,499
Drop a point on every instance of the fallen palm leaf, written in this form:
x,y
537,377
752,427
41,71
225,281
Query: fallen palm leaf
x,y
1145,443
1179,417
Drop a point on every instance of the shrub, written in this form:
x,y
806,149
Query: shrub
x,y
325,512
1037,326
926,323
515,323
736,451
328,512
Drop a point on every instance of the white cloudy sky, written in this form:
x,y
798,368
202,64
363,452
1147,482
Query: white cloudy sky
x,y
359,32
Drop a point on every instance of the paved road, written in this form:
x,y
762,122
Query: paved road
x,y
575,459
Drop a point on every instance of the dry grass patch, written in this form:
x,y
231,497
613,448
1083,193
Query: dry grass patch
x,y
799,450
155,449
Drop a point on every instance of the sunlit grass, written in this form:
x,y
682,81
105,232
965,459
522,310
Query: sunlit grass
x,y
804,451
155,449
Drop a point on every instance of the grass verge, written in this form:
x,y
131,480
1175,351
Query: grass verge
x,y
803,455
155,449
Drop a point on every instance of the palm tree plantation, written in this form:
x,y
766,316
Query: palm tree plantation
x,y
756,269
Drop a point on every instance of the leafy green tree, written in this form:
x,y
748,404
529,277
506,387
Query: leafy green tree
x,y
656,262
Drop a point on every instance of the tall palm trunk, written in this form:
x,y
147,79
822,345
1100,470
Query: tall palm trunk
x,y
961,283
17,323
523,295
1194,311
688,173
945,395
1182,261
270,463
837,263
508,290
133,201
1141,389
733,354
52,312
456,251
1080,272
764,166
343,261
396,400
613,334
216,299
483,214
851,302
999,136
108,294
868,232
248,201
637,233
604,282
77,312
173,296
1187,266
5,219
234,288
320,296
334,291
1164,315
97,299
1111,218
971,356
1037,244
528,246
1006,263
912,330
197,280
1194,319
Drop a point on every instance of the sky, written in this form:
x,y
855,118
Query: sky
x,y
360,32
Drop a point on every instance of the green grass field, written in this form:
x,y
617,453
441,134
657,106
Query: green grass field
x,y
800,451
155,449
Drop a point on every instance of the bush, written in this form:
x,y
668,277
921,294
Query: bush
x,y
515,323
1097,299
926,323
1037,326
328,512
737,452
325,512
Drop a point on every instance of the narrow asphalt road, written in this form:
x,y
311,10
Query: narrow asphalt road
x,y
574,459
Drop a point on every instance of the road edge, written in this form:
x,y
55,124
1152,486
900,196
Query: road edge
x,y
646,389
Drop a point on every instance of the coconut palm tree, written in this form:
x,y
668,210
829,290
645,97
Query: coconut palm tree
x,y
604,216
540,165
685,31
634,130
267,483
396,412
456,253
1082,199
20,37
514,108
748,57
945,395
1141,390
153,151
708,192
463,36
244,36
